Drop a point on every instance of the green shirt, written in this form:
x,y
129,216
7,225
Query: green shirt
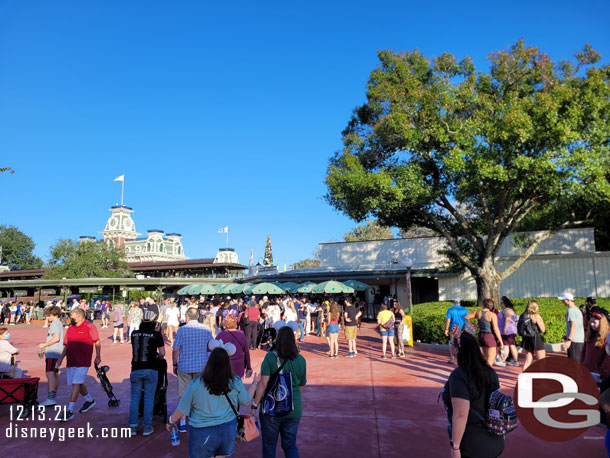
x,y
205,409
296,367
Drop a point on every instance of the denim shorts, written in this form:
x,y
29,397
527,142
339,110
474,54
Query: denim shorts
x,y
387,332
333,329
211,441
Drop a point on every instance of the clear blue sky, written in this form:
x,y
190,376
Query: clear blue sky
x,y
219,114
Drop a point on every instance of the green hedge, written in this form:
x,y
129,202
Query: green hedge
x,y
429,317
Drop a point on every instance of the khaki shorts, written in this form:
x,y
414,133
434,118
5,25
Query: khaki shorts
x,y
351,332
184,378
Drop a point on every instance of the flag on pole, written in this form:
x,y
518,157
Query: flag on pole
x,y
120,178
249,262
223,230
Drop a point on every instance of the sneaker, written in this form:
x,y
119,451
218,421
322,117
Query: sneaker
x,y
355,352
148,430
393,356
349,355
48,402
335,356
500,363
513,364
134,430
68,416
402,355
87,406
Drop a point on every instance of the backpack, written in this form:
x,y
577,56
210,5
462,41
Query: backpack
x,y
501,416
278,400
525,327
114,316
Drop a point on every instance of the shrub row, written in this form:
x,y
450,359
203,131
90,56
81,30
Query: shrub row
x,y
429,318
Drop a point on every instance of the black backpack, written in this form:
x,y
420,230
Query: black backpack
x,y
525,326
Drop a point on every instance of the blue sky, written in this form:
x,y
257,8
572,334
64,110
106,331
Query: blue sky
x,y
220,114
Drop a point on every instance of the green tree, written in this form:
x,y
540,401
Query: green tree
x,y
371,230
470,154
306,263
90,259
17,249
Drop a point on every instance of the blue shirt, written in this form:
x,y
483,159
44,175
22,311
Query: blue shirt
x,y
456,314
192,340
205,409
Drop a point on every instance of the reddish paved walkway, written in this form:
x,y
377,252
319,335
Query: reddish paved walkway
x,y
353,407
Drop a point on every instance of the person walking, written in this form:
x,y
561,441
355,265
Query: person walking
x,y
465,394
489,334
455,319
210,402
189,352
351,316
253,314
286,354
146,346
399,327
116,316
574,339
507,323
594,356
172,316
134,320
53,347
532,325
240,359
79,341
385,319
302,317
332,336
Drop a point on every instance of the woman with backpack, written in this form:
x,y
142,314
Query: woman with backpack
x,y
507,323
287,358
386,319
530,326
489,333
466,397
333,331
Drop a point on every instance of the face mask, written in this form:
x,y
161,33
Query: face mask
x,y
72,322
8,336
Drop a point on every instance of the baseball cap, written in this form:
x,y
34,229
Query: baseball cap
x,y
265,298
457,301
566,297
149,299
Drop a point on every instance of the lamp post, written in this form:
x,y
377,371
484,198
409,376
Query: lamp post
x,y
409,266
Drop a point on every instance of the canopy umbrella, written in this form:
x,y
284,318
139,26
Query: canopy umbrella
x,y
233,288
267,288
290,286
307,287
207,290
332,287
194,288
248,288
357,285
184,290
220,288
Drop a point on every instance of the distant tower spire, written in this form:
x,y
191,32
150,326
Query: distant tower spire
x,y
268,261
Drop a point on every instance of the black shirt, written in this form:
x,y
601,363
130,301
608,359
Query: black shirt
x,y
144,344
477,442
351,312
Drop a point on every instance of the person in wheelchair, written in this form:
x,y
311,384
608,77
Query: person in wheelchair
x,y
8,369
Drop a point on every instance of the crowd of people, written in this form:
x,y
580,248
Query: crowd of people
x,y
211,343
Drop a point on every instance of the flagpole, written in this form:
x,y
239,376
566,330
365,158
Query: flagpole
x,y
227,236
122,188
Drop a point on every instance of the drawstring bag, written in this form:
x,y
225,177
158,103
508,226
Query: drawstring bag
x,y
278,400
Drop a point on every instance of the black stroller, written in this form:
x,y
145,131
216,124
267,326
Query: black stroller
x,y
160,407
106,385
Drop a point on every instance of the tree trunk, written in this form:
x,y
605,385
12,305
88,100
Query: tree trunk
x,y
488,284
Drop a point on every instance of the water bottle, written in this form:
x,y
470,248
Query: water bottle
x,y
174,436
182,426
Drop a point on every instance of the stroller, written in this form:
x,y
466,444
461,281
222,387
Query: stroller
x,y
101,374
160,407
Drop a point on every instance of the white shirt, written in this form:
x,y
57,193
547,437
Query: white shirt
x,y
289,315
173,315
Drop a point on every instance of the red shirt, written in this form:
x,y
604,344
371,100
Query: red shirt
x,y
79,342
253,313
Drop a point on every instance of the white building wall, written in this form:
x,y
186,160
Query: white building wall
x,y
544,276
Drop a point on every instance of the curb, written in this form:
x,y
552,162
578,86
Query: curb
x,y
549,348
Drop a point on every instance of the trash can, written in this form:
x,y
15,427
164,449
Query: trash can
x,y
407,333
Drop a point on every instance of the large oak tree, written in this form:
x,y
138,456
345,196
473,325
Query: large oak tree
x,y
469,154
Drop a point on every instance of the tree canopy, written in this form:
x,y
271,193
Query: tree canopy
x,y
90,259
17,249
370,230
470,154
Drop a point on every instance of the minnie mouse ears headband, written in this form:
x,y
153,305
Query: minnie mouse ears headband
x,y
228,347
